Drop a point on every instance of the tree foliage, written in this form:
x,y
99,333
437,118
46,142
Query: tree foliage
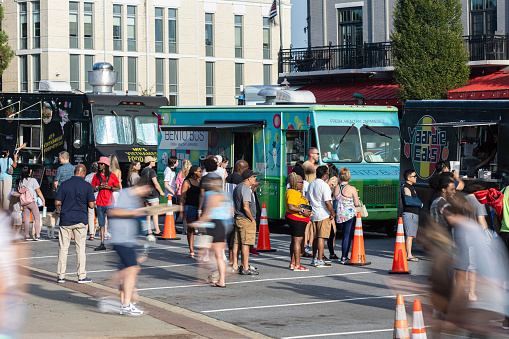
x,y
430,57
6,53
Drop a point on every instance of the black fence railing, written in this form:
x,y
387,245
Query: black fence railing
x,y
373,55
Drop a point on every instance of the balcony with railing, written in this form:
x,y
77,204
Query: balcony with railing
x,y
483,50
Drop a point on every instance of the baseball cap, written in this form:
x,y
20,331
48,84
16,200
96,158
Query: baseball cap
x,y
104,160
149,158
249,173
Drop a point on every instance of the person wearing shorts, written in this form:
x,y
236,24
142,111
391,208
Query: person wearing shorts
x,y
320,198
105,183
297,218
149,174
190,200
245,223
410,213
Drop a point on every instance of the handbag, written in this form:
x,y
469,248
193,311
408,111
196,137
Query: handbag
x,y
362,209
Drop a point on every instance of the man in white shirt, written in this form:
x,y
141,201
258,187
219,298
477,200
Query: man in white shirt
x,y
319,195
169,178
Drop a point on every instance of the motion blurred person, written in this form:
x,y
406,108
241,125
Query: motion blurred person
x,y
411,207
347,198
218,214
124,230
190,201
149,174
75,197
6,178
297,217
320,196
441,204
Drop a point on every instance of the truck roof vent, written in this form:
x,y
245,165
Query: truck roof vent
x,y
54,86
287,97
102,78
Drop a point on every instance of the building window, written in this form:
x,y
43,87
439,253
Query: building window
x,y
89,64
350,26
74,78
266,38
483,16
118,67
172,30
159,76
131,28
239,78
36,71
159,30
88,18
209,94
238,36
173,82
23,73
73,24
36,24
209,34
267,75
132,79
117,27
23,29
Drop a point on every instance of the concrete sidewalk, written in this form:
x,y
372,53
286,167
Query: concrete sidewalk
x,y
70,310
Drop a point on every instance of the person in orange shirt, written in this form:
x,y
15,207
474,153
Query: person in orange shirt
x,y
297,218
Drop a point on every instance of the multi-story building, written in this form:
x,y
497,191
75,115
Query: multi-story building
x,y
195,52
350,47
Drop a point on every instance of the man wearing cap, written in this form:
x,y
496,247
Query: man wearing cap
x,y
150,175
64,172
105,183
245,223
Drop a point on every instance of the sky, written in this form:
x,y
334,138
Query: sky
x,y
299,9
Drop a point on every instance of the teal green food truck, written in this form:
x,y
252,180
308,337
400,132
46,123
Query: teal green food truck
x,y
272,138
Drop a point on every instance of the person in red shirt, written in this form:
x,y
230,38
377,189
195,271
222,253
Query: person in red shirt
x,y
105,183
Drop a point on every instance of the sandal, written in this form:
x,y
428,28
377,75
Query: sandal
x,y
292,267
412,259
249,272
91,237
333,256
300,268
217,285
191,255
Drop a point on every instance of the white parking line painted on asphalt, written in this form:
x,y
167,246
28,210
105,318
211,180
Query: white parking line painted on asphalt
x,y
142,267
308,303
339,333
257,280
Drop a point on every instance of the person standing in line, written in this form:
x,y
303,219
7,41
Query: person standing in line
x,y
26,181
91,211
150,176
331,242
190,201
75,197
245,223
115,169
311,164
170,185
347,198
411,206
179,181
6,178
133,175
297,218
105,183
64,172
124,230
320,196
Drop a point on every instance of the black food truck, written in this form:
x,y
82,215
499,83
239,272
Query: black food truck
x,y
85,125
468,133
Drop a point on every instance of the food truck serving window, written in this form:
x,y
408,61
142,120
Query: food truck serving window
x,y
329,138
380,144
110,129
146,130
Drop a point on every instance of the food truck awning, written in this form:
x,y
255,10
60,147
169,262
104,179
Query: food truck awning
x,y
461,124
212,125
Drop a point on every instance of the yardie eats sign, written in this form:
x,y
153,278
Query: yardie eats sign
x,y
427,146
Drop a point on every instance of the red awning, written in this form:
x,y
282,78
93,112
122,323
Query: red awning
x,y
493,86
375,92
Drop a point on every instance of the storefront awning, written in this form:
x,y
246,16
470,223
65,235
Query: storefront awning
x,y
461,124
486,87
213,125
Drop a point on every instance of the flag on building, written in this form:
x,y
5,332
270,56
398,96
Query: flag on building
x,y
273,11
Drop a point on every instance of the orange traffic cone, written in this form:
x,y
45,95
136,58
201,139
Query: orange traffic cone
x,y
169,232
399,263
263,244
418,330
358,256
400,323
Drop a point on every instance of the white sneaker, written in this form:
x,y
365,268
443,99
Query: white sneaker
x,y
130,310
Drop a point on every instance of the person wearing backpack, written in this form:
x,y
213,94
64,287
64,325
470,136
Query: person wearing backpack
x,y
29,190
105,183
411,204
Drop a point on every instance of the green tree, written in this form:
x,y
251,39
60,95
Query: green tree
x,y
430,57
6,53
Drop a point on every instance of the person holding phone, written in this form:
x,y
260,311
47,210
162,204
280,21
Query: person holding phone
x,y
5,177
